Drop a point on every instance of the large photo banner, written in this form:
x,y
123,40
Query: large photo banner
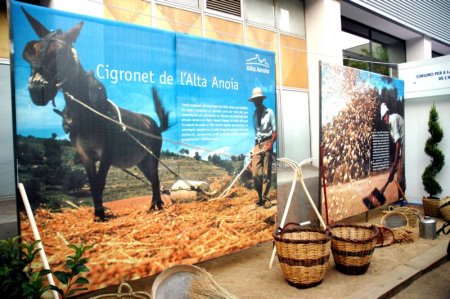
x,y
362,140
131,139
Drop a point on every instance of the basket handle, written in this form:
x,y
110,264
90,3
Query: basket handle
x,y
382,236
281,231
442,229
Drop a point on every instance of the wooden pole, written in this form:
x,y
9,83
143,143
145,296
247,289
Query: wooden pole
x,y
37,237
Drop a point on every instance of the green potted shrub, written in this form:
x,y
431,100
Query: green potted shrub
x,y
431,185
18,279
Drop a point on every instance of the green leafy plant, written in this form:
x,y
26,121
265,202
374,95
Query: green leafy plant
x,y
18,279
76,264
431,186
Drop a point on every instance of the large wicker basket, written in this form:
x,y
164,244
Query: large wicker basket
x,y
431,207
303,255
352,246
444,207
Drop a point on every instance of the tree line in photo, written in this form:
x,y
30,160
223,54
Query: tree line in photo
x,y
52,167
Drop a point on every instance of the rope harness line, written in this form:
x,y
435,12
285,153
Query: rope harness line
x,y
71,97
159,160
124,129
135,176
227,190
119,115
130,128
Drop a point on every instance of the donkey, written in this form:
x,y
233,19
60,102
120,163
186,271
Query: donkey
x,y
55,67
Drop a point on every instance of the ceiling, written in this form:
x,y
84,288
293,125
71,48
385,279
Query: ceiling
x,y
377,22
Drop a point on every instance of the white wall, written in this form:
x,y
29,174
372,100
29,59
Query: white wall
x,y
294,121
323,32
416,133
418,49
426,82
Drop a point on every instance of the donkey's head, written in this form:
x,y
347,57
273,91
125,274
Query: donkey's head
x,y
52,59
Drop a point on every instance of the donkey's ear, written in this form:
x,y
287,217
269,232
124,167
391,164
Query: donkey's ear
x,y
40,29
72,35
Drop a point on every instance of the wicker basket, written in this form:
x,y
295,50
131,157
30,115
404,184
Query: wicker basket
x,y
352,246
430,207
386,237
411,213
444,207
303,255
394,220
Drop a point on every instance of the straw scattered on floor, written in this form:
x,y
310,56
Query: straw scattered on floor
x,y
203,286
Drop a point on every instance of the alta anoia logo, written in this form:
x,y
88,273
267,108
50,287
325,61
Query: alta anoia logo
x,y
257,65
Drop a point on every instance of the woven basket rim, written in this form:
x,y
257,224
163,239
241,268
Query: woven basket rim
x,y
445,202
431,200
326,235
372,228
405,210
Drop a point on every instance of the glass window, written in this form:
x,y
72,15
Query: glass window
x,y
260,12
369,49
189,3
355,28
380,53
291,17
355,44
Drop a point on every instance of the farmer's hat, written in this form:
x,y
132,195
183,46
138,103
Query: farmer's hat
x,y
257,94
383,110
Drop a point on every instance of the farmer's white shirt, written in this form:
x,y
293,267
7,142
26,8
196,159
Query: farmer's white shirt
x,y
268,124
397,128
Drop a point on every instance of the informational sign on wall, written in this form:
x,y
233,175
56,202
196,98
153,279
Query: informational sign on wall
x,y
362,139
430,77
128,137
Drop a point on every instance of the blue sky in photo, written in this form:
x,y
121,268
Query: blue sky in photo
x,y
108,48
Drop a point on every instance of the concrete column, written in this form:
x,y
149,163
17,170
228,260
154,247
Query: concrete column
x,y
323,32
418,49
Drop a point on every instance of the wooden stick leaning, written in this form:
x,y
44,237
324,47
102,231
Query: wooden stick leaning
x,y
225,192
37,237
293,165
297,175
402,193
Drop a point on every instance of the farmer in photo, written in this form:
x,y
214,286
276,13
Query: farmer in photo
x,y
265,135
397,132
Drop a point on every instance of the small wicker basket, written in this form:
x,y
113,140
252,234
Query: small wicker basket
x,y
352,246
386,237
411,213
303,254
395,218
444,207
430,207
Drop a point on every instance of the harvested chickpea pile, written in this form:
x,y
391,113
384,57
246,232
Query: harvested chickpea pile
x,y
346,140
137,243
